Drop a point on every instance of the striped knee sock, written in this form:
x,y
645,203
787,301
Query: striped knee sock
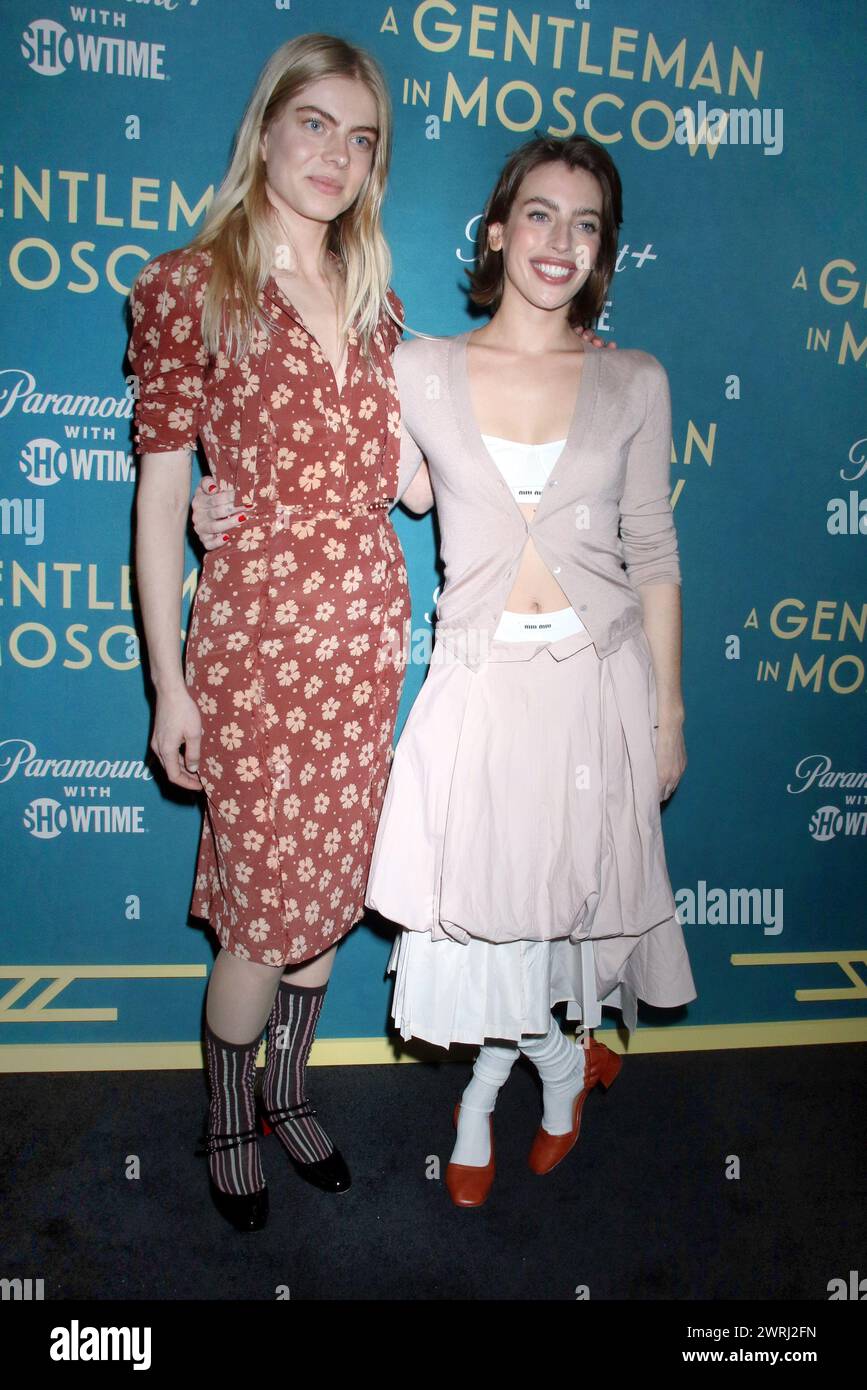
x,y
232,1146
291,1030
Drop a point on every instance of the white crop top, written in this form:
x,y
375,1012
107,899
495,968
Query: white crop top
x,y
525,467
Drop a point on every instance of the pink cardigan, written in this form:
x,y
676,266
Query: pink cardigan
x,y
606,502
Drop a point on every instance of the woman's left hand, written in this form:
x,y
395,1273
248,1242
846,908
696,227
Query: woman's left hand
x,y
670,758
215,513
590,336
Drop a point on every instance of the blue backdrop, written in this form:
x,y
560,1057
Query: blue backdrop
x,y
742,269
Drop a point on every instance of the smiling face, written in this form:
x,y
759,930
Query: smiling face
x,y
551,238
319,150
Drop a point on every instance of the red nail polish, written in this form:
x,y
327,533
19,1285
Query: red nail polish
x,y
225,538
242,517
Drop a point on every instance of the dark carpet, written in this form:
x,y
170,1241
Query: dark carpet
x,y
641,1209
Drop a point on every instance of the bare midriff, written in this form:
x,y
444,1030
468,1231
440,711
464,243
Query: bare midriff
x,y
535,589
530,400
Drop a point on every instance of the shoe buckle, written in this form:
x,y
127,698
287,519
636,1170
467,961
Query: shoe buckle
x,y
211,1144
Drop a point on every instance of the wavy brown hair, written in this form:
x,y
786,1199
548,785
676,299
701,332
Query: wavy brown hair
x,y
236,230
578,152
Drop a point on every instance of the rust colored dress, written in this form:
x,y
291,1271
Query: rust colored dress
x,y
299,629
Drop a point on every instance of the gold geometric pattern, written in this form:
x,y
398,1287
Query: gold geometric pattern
x,y
844,959
37,1010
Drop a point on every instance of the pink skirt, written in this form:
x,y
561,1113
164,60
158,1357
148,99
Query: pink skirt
x,y
522,812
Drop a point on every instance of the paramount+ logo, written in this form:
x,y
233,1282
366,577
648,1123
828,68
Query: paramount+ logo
x,y
49,50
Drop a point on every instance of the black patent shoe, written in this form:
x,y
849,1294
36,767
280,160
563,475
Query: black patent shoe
x,y
329,1174
246,1211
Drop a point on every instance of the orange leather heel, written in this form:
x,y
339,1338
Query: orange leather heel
x,y
468,1185
600,1065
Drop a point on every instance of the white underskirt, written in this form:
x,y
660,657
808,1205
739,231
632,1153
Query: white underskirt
x,y
453,992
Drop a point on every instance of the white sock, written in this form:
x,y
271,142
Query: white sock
x,y
492,1068
560,1063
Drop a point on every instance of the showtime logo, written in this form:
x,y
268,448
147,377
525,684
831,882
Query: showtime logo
x,y
46,818
829,822
49,50
44,462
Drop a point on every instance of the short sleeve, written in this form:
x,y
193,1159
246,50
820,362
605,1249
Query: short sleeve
x,y
647,531
167,355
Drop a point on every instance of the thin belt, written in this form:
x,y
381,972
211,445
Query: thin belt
x,y
283,515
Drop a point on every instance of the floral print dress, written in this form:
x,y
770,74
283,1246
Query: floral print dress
x,y
299,629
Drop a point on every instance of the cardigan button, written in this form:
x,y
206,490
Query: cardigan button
x,y
557,569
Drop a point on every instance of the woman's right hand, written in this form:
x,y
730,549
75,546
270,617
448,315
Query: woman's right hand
x,y
178,721
214,512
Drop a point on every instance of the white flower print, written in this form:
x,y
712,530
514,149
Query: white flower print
x,y
286,612
327,648
283,565
339,766
289,672
251,538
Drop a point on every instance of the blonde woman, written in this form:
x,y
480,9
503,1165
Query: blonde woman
x,y
269,337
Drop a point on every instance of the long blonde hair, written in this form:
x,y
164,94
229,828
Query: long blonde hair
x,y
235,231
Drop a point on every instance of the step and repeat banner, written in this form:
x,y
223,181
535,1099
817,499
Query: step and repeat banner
x,y
739,134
